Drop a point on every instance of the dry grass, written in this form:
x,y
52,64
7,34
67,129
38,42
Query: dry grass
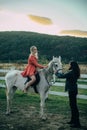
x,y
83,68
12,65
20,66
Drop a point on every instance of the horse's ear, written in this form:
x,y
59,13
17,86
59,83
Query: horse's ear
x,y
60,58
53,57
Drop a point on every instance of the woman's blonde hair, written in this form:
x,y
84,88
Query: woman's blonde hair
x,y
32,50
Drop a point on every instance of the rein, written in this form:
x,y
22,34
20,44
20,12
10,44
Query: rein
x,y
59,70
49,72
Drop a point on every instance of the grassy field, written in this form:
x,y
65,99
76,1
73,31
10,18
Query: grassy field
x,y
25,115
26,108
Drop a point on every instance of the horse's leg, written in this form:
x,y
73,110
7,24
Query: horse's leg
x,y
46,97
8,101
9,94
42,106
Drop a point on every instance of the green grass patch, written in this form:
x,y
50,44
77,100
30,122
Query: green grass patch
x,y
2,81
79,82
62,89
82,82
54,103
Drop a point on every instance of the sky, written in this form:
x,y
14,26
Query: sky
x,y
43,16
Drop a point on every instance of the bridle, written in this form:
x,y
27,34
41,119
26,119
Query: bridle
x,y
54,68
59,70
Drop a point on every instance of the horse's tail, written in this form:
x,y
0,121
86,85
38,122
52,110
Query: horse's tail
x,y
10,78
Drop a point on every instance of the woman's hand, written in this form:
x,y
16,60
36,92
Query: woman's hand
x,y
46,66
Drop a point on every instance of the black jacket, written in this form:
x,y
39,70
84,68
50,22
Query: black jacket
x,y
71,80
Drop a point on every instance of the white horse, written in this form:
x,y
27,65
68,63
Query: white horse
x,y
14,80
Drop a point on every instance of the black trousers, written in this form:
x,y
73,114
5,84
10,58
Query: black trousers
x,y
73,107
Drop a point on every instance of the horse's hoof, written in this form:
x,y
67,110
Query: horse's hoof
x,y
7,113
44,118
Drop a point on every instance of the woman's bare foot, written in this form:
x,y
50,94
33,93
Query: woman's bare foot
x,y
25,90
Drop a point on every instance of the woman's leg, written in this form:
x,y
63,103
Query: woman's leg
x,y
74,108
71,100
28,84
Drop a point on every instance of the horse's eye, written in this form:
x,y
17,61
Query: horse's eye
x,y
56,65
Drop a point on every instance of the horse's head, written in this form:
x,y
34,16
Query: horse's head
x,y
53,66
56,64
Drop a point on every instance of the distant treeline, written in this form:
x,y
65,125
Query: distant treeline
x,y
14,46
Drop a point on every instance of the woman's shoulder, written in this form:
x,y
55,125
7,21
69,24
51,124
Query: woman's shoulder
x,y
32,58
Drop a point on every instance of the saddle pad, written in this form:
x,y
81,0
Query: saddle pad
x,y
35,83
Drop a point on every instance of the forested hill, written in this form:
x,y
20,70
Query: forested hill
x,y
14,46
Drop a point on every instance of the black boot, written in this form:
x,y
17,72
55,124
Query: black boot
x,y
75,125
70,122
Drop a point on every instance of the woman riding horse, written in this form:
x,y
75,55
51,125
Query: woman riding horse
x,y
31,68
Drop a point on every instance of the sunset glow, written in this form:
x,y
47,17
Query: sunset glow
x,y
22,22
42,18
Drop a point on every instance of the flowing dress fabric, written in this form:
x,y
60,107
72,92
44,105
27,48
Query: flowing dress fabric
x,y
31,68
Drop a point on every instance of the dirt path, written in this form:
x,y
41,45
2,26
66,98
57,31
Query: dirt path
x,y
29,119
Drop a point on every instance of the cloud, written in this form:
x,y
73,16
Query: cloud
x,y
76,33
41,20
